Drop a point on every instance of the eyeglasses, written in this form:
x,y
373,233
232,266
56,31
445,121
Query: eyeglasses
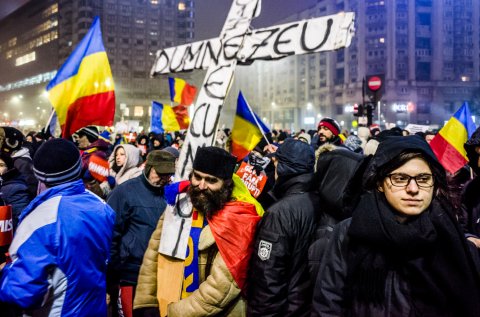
x,y
402,180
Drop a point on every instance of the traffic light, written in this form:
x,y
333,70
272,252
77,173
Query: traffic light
x,y
358,110
370,107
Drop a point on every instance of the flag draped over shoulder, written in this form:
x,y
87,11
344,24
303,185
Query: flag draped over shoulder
x,y
82,92
448,143
166,118
246,131
181,91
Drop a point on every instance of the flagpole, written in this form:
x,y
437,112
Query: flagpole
x,y
49,120
256,121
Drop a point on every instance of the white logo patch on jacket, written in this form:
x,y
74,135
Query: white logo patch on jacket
x,y
264,250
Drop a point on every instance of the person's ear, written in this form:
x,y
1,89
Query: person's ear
x,y
380,187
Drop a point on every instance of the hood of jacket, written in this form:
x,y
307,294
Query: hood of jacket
x,y
132,158
291,185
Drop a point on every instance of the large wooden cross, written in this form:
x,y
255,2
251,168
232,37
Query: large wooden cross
x,y
237,43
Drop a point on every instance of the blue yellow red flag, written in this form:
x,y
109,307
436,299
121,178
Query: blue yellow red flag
x,y
167,118
448,143
82,92
247,129
181,91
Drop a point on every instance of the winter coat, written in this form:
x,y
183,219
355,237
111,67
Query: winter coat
x,y
338,183
138,206
279,279
329,296
60,253
14,192
218,292
470,209
24,164
130,168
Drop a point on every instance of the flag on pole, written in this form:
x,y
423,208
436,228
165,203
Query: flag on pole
x,y
448,143
247,129
181,91
166,118
82,92
53,124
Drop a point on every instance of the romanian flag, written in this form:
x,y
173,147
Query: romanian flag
x,y
448,143
82,92
181,91
247,130
166,118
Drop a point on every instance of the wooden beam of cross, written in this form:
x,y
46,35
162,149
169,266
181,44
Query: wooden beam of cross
x,y
236,44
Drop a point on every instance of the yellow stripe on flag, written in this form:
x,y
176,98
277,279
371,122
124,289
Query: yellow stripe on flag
x,y
169,120
454,132
245,134
179,86
93,77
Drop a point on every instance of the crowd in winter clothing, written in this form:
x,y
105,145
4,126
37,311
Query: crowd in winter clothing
x,y
355,224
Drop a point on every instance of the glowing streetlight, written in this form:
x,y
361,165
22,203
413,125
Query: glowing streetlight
x,y
309,106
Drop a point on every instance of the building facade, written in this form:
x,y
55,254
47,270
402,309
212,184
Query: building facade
x,y
37,38
426,50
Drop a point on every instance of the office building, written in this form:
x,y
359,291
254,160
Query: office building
x,y
38,37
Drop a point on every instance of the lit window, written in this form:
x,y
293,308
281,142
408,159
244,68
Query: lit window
x,y
9,54
382,40
12,42
181,6
154,1
138,21
138,111
30,57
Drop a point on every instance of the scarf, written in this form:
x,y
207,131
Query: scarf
x,y
429,250
191,273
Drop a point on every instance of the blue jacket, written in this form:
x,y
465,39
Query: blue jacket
x,y
60,253
138,207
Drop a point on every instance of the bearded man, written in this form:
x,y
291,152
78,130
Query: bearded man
x,y
224,219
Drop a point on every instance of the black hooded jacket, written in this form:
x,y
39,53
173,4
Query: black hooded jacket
x,y
279,280
377,266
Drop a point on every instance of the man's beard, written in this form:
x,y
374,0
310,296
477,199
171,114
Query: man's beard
x,y
210,202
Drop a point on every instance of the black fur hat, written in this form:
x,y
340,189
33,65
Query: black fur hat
x,y
214,161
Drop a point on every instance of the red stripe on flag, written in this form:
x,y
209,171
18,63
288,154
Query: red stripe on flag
x,y
239,151
188,94
449,157
98,109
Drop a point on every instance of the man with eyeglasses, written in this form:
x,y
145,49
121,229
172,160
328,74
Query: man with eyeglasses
x,y
138,203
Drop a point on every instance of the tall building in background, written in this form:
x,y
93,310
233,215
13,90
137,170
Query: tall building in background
x,y
36,39
427,51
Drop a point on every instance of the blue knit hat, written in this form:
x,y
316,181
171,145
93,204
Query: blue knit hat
x,y
57,162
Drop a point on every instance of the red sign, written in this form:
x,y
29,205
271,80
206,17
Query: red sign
x,y
374,83
254,182
99,168
6,226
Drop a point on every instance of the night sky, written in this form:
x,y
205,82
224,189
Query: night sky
x,y
211,14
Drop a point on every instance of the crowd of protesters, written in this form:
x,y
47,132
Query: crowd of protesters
x,y
364,223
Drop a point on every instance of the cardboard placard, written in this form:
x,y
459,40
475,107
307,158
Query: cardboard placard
x,y
6,225
255,183
99,168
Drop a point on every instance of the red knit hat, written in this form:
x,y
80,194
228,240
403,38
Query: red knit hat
x,y
330,124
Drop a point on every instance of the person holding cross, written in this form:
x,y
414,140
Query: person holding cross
x,y
224,216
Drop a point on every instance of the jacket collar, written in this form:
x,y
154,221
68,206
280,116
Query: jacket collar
x,y
67,189
297,184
